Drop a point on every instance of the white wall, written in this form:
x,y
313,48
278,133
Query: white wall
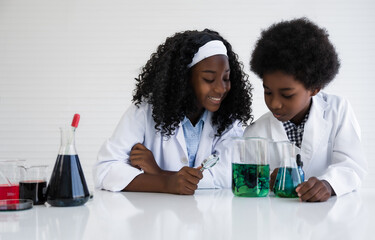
x,y
63,57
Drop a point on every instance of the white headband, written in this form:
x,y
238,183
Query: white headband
x,y
214,47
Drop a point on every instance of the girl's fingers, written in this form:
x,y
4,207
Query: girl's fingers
x,y
138,146
135,152
191,187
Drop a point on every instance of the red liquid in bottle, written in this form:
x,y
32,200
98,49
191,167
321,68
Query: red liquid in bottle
x,y
9,192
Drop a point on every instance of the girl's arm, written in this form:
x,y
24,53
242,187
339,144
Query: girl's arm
x,y
184,181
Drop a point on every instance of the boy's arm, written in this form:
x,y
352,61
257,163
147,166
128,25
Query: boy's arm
x,y
348,163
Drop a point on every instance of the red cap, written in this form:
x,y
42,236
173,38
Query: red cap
x,y
75,120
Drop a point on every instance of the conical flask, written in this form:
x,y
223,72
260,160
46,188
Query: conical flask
x,y
67,186
288,176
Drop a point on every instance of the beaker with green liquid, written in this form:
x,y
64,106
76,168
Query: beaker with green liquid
x,y
250,167
288,177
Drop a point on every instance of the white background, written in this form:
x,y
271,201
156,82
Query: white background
x,y
63,57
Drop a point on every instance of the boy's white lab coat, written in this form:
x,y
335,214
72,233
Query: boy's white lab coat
x,y
331,146
113,171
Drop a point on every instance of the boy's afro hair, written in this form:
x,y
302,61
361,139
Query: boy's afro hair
x,y
299,48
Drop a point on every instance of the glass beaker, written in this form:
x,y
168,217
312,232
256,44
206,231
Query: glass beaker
x,y
288,176
250,167
33,183
9,178
67,186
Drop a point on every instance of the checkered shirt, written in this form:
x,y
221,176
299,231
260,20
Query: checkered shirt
x,y
294,132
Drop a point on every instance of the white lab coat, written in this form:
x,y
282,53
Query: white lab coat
x,y
331,146
113,171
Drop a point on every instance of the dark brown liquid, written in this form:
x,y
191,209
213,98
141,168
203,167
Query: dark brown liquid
x,y
35,190
67,186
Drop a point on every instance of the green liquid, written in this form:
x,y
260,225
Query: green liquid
x,y
287,180
250,180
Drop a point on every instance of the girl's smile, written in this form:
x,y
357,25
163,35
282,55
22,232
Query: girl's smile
x,y
211,83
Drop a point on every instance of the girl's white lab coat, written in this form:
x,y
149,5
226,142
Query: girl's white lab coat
x,y
331,146
113,171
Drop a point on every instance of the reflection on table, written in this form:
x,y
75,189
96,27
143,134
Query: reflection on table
x,y
209,214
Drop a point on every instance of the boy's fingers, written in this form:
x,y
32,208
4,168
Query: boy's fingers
x,y
310,194
313,190
273,178
304,187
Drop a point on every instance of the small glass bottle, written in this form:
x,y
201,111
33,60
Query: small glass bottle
x,y
67,186
300,166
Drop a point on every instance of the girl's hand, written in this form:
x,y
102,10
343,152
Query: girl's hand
x,y
314,190
273,178
184,181
142,158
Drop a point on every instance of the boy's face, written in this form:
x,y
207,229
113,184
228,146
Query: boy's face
x,y
210,81
286,98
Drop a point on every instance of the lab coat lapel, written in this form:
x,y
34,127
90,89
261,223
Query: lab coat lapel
x,y
182,143
277,130
205,144
315,129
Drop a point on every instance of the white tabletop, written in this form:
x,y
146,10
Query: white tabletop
x,y
209,214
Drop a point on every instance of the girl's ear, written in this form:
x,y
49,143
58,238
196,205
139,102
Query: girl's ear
x,y
315,91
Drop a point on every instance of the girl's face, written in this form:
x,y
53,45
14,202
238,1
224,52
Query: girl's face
x,y
210,81
286,98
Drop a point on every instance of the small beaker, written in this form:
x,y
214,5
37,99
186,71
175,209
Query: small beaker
x,y
33,183
9,178
250,167
288,176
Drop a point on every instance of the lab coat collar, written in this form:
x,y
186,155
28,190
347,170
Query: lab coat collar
x,y
277,130
203,145
315,128
202,118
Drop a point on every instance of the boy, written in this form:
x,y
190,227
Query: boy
x,y
295,60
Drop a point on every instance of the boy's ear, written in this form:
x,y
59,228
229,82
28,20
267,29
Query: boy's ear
x,y
315,91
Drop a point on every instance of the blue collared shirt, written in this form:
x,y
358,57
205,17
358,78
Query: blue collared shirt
x,y
193,136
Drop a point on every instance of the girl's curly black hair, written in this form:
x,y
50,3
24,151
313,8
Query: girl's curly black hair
x,y
299,48
164,83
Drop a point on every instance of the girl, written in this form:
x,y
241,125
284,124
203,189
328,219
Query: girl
x,y
190,99
295,60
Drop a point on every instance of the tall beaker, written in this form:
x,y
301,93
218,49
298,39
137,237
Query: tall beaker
x,y
67,186
288,176
250,167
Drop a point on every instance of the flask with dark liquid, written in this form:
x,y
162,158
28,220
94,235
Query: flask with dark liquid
x,y
67,186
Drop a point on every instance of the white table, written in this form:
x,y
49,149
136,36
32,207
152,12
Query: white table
x,y
209,214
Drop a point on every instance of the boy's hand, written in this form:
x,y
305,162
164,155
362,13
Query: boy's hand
x,y
314,190
184,181
273,178
142,158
